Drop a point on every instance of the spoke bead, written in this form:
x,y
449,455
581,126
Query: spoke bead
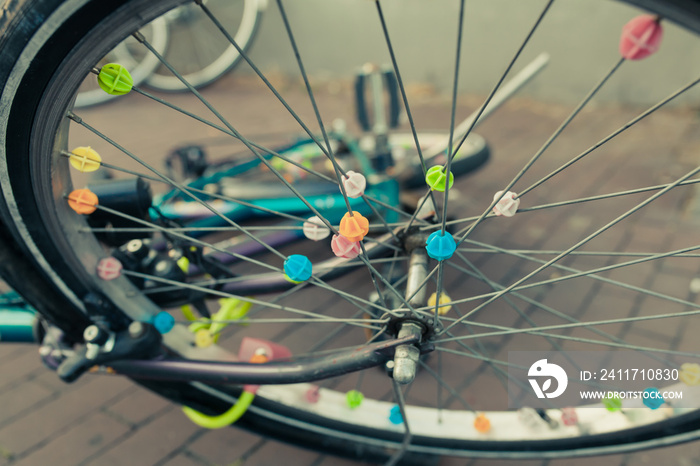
x,y
440,246
314,229
395,415
203,338
354,184
354,226
343,247
652,398
85,159
482,423
690,373
354,398
163,322
612,404
508,205
115,79
569,416
313,394
297,268
444,306
83,201
640,37
109,268
436,178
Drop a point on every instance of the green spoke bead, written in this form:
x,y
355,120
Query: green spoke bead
x,y
436,178
612,404
354,398
115,79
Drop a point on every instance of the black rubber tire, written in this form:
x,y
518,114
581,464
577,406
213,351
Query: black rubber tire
x,y
28,248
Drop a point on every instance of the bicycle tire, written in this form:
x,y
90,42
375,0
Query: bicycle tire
x,y
27,66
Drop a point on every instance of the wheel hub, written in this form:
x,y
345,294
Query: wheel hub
x,y
409,321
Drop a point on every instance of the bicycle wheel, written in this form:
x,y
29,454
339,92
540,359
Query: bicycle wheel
x,y
43,66
201,54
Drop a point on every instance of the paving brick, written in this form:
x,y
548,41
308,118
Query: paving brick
x,y
648,237
330,460
679,455
55,416
48,379
150,444
22,398
223,446
77,443
137,406
275,452
676,285
490,462
20,366
569,297
689,335
9,351
184,460
637,275
611,460
609,304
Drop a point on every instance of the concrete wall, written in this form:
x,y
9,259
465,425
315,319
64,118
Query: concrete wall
x,y
337,36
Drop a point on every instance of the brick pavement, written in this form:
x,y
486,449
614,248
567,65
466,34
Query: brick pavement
x,y
102,420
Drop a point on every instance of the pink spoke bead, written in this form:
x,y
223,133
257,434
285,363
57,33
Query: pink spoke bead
x,y
569,416
313,394
109,268
640,37
343,247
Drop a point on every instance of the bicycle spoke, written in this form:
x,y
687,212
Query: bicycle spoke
x,y
594,273
402,89
326,320
180,187
233,135
542,329
399,397
368,199
242,298
617,342
574,253
310,93
588,273
547,309
546,145
237,134
562,204
441,382
453,113
629,124
582,242
257,71
502,78
404,96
